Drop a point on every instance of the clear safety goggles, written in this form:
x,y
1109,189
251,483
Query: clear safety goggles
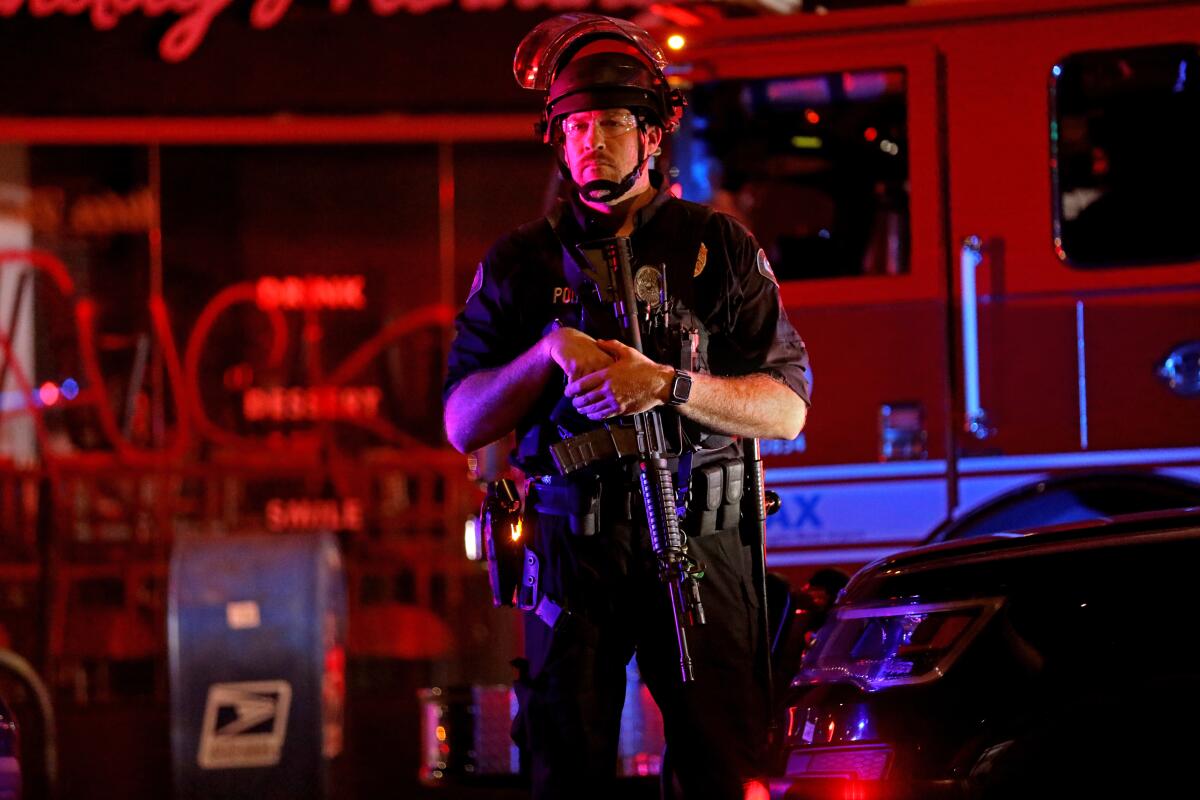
x,y
609,124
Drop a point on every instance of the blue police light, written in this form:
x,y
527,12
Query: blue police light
x,y
69,389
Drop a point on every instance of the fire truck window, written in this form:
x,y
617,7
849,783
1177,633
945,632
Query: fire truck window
x,y
1124,160
815,165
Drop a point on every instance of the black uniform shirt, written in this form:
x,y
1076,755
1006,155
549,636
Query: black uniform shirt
x,y
520,290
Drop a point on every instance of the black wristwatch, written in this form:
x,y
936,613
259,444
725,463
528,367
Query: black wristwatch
x,y
681,388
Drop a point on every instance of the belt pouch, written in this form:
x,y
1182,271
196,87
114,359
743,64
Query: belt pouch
x,y
706,499
730,513
579,502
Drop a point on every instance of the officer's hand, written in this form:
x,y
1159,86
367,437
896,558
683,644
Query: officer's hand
x,y
576,353
630,385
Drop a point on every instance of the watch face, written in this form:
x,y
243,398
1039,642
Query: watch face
x,y
681,388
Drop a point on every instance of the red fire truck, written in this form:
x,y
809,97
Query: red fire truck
x,y
983,218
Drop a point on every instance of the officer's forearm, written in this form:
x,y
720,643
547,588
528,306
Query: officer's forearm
x,y
488,404
749,405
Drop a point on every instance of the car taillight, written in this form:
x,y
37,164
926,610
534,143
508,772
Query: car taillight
x,y
879,646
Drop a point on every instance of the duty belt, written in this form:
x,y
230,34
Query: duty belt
x,y
713,498
578,503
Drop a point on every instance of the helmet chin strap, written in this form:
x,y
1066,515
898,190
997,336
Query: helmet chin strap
x,y
605,191
612,192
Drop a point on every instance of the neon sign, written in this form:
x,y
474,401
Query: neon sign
x,y
311,403
196,16
310,293
308,515
47,210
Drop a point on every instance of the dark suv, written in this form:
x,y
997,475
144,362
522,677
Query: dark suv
x,y
1055,663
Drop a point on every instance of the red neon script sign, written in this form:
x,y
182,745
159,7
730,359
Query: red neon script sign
x,y
337,398
196,16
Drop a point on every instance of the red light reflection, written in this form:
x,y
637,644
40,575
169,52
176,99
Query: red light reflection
x,y
856,790
48,394
755,790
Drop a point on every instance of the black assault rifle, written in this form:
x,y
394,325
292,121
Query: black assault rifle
x,y
609,269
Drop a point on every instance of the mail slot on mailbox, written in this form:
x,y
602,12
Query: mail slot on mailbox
x,y
257,658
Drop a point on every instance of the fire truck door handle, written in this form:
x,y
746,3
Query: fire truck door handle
x,y
975,419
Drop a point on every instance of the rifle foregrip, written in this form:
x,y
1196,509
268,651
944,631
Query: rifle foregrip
x,y
658,493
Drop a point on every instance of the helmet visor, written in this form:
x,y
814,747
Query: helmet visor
x,y
539,52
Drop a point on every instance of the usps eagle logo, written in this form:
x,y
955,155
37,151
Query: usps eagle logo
x,y
245,724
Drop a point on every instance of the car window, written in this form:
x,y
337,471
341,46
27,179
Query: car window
x,y
1072,499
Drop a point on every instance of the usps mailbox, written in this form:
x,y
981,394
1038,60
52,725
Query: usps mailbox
x,y
257,659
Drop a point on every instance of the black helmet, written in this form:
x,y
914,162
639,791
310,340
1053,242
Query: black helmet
x,y
587,61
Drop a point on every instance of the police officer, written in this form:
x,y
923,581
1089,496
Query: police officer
x,y
536,352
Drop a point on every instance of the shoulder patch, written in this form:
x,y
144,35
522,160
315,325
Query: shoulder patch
x,y
764,267
701,260
477,283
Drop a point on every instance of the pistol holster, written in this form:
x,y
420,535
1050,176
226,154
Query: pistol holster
x,y
503,539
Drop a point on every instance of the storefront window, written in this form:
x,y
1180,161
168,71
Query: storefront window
x,y
333,246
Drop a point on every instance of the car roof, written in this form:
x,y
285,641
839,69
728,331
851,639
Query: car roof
x,y
1070,498
1103,532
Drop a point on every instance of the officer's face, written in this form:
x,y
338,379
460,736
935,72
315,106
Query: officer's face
x,y
603,145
